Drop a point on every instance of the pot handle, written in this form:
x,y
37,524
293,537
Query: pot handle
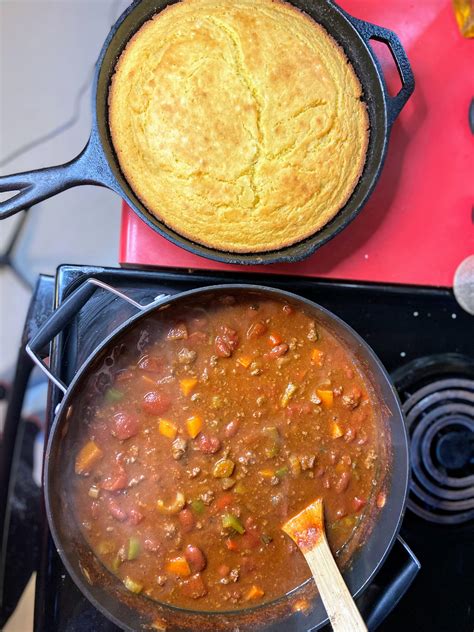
x,y
395,590
64,314
89,167
370,31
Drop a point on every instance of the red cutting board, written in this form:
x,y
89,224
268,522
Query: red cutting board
x,y
418,225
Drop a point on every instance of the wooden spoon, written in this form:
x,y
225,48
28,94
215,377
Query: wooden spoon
x,y
306,529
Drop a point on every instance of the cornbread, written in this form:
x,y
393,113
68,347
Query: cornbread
x,y
238,123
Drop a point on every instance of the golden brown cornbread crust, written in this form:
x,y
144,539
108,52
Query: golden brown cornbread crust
x,y
238,123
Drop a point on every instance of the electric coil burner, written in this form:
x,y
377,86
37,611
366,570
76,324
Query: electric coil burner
x,y
439,409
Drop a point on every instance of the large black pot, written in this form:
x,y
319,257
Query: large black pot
x,y
98,164
136,612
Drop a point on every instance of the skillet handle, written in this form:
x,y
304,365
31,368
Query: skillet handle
x,y
394,591
89,167
371,31
63,315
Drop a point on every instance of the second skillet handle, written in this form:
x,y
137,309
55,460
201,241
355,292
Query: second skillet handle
x,y
90,167
371,31
64,314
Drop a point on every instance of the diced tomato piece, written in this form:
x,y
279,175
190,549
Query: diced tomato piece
x,y
115,481
135,517
232,544
224,501
155,403
124,426
116,511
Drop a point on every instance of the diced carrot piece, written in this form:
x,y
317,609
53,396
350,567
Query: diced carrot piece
x,y
336,430
327,397
194,426
232,544
317,357
267,473
254,592
178,566
187,384
89,455
274,339
167,428
224,501
245,361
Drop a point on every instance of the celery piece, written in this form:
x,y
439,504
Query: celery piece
x,y
229,521
133,549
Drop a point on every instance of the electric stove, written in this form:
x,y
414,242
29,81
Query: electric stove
x,y
426,342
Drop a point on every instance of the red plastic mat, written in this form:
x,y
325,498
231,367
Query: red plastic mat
x,y
418,225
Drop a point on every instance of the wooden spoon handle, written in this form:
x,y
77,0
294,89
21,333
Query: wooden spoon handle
x,y
336,597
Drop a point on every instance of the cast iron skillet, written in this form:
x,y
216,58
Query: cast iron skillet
x,y
97,163
105,591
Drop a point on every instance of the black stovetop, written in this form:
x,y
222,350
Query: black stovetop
x,y
422,337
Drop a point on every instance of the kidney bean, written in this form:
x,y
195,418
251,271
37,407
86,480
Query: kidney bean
x,y
256,330
125,426
222,348
116,511
341,513
155,403
194,587
342,483
134,516
230,337
150,364
116,481
186,520
208,444
195,558
278,351
231,429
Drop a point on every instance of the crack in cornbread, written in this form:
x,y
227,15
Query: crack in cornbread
x,y
238,123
